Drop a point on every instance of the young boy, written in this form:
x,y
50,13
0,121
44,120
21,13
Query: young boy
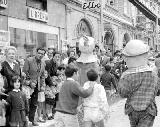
x,y
95,106
66,107
107,80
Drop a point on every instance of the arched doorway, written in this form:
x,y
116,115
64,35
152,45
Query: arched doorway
x,y
109,39
84,28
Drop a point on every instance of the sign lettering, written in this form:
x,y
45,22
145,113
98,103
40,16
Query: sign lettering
x,y
91,4
3,3
37,15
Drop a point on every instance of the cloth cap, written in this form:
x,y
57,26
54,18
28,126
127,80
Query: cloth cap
x,y
135,48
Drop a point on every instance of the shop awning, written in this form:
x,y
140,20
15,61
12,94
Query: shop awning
x,y
144,10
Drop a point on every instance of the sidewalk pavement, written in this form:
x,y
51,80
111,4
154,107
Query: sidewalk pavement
x,y
48,123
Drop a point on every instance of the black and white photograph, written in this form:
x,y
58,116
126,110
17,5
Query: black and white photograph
x,y
79,63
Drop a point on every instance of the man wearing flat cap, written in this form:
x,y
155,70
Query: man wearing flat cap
x,y
139,85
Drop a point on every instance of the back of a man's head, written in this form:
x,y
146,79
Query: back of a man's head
x,y
70,70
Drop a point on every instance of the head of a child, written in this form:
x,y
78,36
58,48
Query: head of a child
x,y
54,80
27,81
16,82
71,72
60,70
107,68
92,75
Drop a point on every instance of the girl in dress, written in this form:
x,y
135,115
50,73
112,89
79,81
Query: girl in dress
x,y
19,106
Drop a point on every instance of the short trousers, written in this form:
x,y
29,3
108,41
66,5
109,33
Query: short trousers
x,y
92,114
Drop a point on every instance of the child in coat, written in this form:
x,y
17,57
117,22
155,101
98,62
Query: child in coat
x,y
18,102
50,92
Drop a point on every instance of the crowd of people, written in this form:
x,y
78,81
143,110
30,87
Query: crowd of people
x,y
46,82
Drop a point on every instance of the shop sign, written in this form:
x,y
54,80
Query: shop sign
x,y
4,38
152,6
37,15
3,3
91,4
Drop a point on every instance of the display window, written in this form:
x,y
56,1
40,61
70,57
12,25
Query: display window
x,y
26,41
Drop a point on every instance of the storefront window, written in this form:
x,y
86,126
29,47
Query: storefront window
x,y
27,41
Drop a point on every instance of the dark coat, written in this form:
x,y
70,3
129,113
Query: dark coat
x,y
8,72
51,68
31,70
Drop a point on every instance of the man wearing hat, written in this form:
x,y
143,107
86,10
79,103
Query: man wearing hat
x,y
139,85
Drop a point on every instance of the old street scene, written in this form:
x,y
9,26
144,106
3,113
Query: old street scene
x,y
79,63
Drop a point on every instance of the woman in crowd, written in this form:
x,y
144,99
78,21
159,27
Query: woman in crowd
x,y
9,69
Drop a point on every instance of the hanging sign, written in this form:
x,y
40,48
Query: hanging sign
x,y
37,15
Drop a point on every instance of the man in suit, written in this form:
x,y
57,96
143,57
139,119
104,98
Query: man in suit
x,y
34,68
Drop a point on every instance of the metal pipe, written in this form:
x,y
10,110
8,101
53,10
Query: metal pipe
x,y
101,22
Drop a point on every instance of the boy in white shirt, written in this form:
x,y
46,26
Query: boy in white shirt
x,y
96,107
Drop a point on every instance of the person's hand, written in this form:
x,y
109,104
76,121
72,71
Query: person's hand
x,y
42,88
23,74
4,102
79,108
3,90
33,85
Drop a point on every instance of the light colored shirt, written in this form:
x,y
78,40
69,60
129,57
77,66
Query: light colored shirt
x,y
16,90
98,98
11,64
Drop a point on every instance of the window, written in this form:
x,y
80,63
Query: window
x,y
26,40
38,4
112,3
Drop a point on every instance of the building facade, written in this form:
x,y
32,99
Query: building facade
x,y
27,24
117,23
147,21
31,24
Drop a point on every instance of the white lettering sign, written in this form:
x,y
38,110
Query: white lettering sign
x,y
91,4
4,38
37,15
3,3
